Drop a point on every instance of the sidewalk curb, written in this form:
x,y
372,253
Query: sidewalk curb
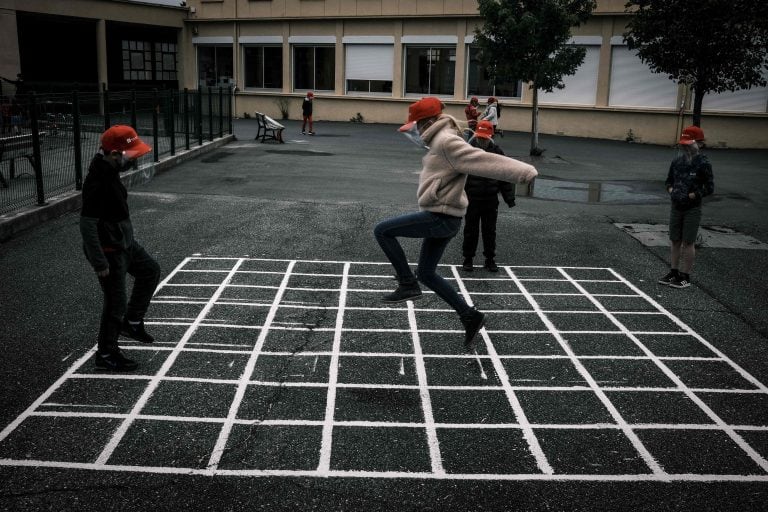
x,y
30,216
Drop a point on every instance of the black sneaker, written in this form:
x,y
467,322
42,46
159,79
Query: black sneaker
x,y
136,332
467,265
114,361
667,279
680,282
404,292
311,133
491,266
473,320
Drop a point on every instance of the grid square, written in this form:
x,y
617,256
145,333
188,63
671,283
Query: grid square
x,y
263,403
297,340
590,274
616,373
312,317
495,286
209,365
709,375
251,316
652,322
293,368
537,372
322,282
582,322
377,370
248,294
380,449
197,278
378,404
657,408
59,439
557,287
758,440
698,451
183,444
629,303
371,283
224,337
173,312
190,399
376,342
273,447
590,452
565,303
489,406
606,288
320,267
460,371
563,407
264,265
396,318
513,322
670,345
739,408
445,343
95,395
485,451
210,264
603,344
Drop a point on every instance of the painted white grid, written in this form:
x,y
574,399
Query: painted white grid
x,y
217,275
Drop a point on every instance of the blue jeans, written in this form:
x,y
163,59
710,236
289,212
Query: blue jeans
x,y
437,230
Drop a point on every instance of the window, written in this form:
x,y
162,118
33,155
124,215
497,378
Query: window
x,y
314,68
754,99
633,84
263,67
430,70
214,65
137,60
581,87
369,68
479,82
165,61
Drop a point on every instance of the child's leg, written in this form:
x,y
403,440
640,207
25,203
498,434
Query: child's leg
x,y
471,230
488,220
115,300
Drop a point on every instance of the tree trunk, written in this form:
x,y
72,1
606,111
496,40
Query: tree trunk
x,y
535,151
698,99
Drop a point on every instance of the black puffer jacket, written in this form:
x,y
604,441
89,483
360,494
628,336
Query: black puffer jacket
x,y
485,189
685,177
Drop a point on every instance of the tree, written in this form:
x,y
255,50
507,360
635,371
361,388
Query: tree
x,y
526,40
709,45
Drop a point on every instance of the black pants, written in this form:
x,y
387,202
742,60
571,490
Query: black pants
x,y
480,214
146,273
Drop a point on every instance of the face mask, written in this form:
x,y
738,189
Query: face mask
x,y
125,163
412,133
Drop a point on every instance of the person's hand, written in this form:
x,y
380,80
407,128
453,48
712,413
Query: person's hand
x,y
669,190
511,204
103,273
691,195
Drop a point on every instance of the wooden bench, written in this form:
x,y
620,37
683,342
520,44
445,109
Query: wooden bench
x,y
21,145
268,128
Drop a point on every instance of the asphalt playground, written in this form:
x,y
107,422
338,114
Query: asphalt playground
x,y
279,381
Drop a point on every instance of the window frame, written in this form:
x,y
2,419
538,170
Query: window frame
x,y
262,47
468,58
430,48
314,75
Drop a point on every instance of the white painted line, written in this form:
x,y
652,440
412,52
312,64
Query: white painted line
x,y
245,377
528,433
435,458
326,445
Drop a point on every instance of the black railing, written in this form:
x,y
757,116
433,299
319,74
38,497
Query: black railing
x,y
47,140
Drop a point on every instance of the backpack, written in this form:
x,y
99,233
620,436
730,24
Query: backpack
x,y
498,109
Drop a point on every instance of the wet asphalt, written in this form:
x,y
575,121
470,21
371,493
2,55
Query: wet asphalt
x,y
318,198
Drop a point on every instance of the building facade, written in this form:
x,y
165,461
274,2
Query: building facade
x,y
374,57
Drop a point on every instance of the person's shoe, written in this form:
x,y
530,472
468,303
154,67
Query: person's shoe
x,y
311,133
136,331
303,132
680,281
473,320
114,361
491,266
406,290
467,265
667,279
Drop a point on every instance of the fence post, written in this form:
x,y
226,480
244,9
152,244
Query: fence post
x,y
172,120
221,112
155,129
199,117
186,118
210,114
36,150
230,100
77,140
133,109
105,96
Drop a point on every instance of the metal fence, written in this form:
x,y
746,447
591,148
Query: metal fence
x,y
48,140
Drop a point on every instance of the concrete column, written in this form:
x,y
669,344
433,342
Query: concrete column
x,y
397,73
287,62
460,71
604,66
101,52
339,71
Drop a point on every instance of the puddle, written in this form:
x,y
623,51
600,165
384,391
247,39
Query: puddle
x,y
607,192
302,152
657,235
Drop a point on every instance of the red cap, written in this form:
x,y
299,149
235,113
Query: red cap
x,y
491,99
422,109
695,132
310,95
474,99
124,139
484,130
686,140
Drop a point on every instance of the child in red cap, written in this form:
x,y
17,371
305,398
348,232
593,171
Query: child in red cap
x,y
110,248
442,203
306,113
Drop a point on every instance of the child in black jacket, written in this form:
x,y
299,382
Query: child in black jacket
x,y
483,209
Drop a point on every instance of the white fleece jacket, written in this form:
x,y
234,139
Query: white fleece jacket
x,y
446,165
